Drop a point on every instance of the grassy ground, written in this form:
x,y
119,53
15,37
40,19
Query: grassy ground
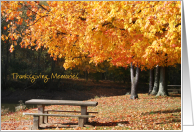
x,y
114,113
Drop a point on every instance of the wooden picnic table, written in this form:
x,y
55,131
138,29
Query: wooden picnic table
x,y
42,112
174,88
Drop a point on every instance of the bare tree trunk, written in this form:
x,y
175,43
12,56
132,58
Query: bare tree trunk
x,y
86,75
52,69
39,56
53,66
51,81
14,52
151,81
163,82
103,76
6,66
134,81
156,81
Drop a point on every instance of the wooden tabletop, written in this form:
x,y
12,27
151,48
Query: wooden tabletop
x,y
61,102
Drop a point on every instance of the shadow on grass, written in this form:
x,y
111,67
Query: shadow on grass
x,y
74,125
159,97
162,111
175,95
119,123
166,122
109,124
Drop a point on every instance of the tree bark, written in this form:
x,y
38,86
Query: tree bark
x,y
6,66
53,66
86,75
151,81
134,81
39,56
51,84
103,76
156,81
14,52
52,69
163,82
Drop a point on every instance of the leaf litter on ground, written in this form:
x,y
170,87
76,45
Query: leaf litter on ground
x,y
114,113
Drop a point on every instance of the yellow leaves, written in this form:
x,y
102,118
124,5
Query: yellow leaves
x,y
129,29
11,48
91,61
164,49
3,37
106,28
178,49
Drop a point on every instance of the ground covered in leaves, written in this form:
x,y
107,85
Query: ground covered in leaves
x,y
114,113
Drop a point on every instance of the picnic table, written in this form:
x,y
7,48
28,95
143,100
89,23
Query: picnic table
x,y
174,88
42,116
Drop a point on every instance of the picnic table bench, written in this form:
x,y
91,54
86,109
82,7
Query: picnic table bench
x,y
174,88
42,116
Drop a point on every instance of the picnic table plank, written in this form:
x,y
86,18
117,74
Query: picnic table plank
x,y
174,85
174,88
38,114
61,102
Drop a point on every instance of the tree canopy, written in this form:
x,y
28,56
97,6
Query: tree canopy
x,y
146,33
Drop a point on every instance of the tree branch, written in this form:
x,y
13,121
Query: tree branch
x,y
30,9
41,6
178,24
37,21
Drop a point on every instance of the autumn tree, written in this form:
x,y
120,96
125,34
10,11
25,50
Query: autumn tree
x,y
151,81
155,88
142,34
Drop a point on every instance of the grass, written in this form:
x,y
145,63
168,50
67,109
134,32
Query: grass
x,y
114,113
4,110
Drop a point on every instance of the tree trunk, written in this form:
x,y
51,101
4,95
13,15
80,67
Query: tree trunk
x,y
14,52
51,84
6,66
53,66
39,56
52,69
156,81
134,82
32,61
162,83
86,75
103,76
44,62
151,81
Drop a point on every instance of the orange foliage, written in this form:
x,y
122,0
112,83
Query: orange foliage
x,y
147,33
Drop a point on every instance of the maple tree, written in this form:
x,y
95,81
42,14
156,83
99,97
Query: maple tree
x,y
154,89
151,80
137,33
